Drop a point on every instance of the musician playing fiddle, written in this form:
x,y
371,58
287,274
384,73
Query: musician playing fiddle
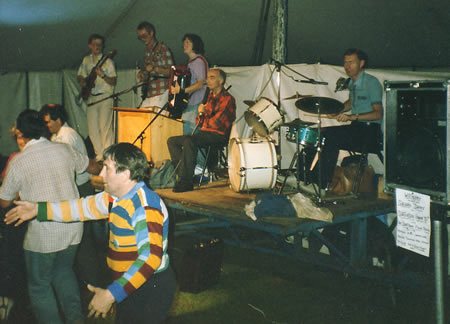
x,y
156,69
100,115
215,119
198,66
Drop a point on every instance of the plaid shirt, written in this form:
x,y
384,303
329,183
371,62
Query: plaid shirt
x,y
219,113
45,171
162,57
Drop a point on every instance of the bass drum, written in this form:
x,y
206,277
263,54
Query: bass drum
x,y
252,164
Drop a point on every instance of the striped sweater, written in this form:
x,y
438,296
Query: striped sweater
x,y
138,230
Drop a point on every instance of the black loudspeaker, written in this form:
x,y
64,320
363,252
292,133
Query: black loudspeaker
x,y
416,138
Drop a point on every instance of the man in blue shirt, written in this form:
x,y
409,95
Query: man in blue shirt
x,y
365,104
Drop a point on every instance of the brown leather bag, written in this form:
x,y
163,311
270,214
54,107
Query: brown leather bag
x,y
344,177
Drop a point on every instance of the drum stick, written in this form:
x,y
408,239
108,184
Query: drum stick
x,y
322,116
313,164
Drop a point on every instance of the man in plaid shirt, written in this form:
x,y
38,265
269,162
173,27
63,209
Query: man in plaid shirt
x,y
157,62
216,118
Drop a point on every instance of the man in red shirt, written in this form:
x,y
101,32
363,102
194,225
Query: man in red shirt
x,y
216,118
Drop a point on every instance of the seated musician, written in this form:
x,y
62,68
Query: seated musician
x,y
198,66
216,117
365,103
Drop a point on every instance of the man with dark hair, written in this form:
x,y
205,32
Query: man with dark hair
x,y
45,171
144,283
198,66
216,118
90,261
99,116
55,118
365,104
156,67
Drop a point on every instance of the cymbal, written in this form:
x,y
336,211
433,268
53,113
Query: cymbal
x,y
298,123
326,105
297,96
249,102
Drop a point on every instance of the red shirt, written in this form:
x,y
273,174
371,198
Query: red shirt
x,y
219,113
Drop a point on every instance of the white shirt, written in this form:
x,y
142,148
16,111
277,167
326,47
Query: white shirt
x,y
68,135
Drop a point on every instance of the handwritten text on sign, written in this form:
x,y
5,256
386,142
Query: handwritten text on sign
x,y
413,221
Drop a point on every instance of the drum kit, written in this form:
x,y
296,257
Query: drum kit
x,y
252,162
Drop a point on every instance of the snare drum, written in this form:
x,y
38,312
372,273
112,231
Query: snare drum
x,y
305,135
263,117
252,164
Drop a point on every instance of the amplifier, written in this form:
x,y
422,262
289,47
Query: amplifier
x,y
416,137
199,264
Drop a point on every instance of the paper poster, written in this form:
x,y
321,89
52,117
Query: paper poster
x,y
413,221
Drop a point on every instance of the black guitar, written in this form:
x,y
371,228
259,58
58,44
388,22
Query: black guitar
x,y
178,102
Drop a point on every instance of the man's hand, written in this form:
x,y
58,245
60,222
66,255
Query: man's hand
x,y
344,117
175,89
201,108
24,211
101,302
149,68
99,72
140,76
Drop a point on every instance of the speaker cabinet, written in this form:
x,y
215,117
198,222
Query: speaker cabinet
x,y
416,138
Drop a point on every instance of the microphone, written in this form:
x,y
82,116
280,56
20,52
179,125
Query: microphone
x,y
205,97
342,84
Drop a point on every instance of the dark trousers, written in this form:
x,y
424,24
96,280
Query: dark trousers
x,y
90,262
151,302
357,137
12,262
184,149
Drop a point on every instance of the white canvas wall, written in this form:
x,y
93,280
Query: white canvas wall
x,y
247,83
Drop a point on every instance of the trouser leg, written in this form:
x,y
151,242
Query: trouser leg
x,y
40,274
66,285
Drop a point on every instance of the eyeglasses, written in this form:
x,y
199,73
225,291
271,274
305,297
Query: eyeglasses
x,y
143,37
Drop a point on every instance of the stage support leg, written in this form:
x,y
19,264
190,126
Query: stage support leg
x,y
438,271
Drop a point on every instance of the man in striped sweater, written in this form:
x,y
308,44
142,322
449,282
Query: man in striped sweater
x,y
144,283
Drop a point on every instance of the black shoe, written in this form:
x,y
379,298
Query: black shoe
x,y
183,186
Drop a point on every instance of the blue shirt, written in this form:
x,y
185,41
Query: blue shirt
x,y
365,92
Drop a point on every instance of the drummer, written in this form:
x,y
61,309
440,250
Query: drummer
x,y
215,119
365,104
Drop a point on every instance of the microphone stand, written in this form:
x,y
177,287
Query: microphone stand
x,y
116,95
141,135
308,79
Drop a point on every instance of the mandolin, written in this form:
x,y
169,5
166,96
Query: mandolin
x,y
90,80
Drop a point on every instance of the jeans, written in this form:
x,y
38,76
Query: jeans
x,y
189,115
50,277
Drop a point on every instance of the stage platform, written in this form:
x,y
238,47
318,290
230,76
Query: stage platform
x,y
216,210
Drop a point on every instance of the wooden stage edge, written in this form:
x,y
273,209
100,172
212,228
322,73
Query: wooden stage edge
x,y
218,199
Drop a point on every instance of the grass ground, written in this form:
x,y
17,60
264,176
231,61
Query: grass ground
x,y
262,288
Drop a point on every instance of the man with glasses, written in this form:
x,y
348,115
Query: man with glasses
x,y
156,68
